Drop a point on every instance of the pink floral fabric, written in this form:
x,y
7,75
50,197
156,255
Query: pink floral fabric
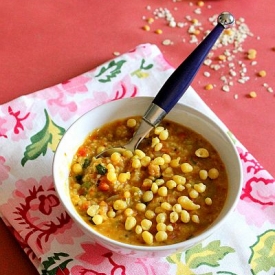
x,y
30,129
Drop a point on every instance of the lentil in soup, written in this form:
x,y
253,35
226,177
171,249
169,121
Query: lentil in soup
x,y
167,191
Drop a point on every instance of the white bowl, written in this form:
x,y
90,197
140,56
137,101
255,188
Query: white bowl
x,y
182,114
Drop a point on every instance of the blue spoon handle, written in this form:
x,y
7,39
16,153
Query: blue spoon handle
x,y
180,80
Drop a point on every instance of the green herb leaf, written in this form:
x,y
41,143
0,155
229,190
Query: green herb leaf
x,y
86,163
101,169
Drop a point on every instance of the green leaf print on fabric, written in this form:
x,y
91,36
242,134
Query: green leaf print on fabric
x,y
209,255
198,255
112,70
56,264
263,253
49,136
140,71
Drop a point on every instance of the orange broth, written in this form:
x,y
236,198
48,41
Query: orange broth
x,y
162,194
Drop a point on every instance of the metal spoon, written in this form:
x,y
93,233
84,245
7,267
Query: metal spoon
x,y
175,86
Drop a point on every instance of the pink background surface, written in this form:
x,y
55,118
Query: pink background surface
x,y
45,43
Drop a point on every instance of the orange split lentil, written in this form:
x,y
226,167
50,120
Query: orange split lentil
x,y
262,73
251,54
200,3
146,28
253,94
150,20
209,87
173,195
222,57
228,32
158,31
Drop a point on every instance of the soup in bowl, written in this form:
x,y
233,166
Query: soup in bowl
x,y
173,191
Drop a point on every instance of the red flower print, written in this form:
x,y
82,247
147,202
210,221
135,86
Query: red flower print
x,y
39,215
16,119
105,262
260,190
47,203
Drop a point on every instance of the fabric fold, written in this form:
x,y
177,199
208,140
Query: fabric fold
x,y
30,129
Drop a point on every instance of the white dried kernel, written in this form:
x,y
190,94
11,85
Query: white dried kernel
x,y
213,173
184,216
208,201
161,226
158,147
168,172
158,130
97,219
127,153
130,223
158,161
159,182
140,206
161,236
150,214
138,229
164,135
111,213
147,196
77,168
111,176
140,154
146,224
162,191
175,162
116,157
203,174
179,179
186,167
136,163
177,208
174,216
93,210
147,182
202,153
167,158
145,161
180,187
131,123
155,141
119,205
193,194
147,237
110,167
161,217
154,188
195,218
187,204
123,177
128,212
166,206
170,184
169,227
200,187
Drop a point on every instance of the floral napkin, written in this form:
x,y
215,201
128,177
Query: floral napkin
x,y
30,129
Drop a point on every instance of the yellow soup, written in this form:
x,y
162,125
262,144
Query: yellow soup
x,y
167,191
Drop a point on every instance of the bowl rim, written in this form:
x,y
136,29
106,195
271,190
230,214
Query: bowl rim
x,y
143,248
